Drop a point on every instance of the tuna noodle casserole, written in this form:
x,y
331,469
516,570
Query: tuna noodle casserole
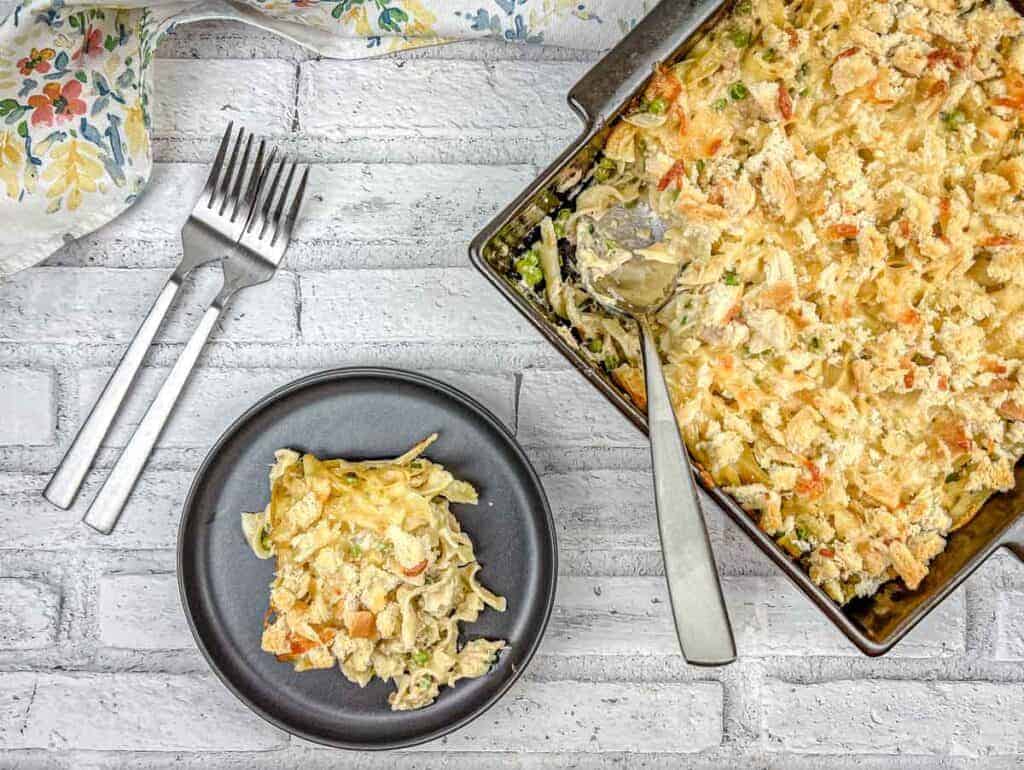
x,y
845,358
374,573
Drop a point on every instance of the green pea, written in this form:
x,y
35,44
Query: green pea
x,y
265,537
604,170
531,273
355,550
351,478
739,37
611,361
744,7
954,119
421,657
770,55
730,278
595,345
738,91
563,215
657,106
719,104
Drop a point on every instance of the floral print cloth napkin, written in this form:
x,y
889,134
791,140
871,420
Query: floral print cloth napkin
x,y
76,85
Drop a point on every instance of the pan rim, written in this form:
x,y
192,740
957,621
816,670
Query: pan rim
x,y
450,392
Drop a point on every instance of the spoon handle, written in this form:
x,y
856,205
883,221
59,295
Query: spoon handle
x,y
698,607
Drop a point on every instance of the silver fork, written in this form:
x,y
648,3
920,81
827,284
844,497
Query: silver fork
x,y
212,228
254,260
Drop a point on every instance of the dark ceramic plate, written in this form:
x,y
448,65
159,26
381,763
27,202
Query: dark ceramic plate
x,y
362,413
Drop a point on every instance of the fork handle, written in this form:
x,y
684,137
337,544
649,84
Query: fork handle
x,y
110,501
698,607
67,479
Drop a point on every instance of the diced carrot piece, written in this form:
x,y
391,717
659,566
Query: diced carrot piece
x,y
1011,410
842,231
672,176
414,570
361,624
954,435
993,366
785,103
664,85
998,240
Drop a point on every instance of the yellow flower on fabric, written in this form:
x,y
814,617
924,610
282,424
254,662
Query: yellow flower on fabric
x,y
135,131
12,160
362,22
423,19
73,167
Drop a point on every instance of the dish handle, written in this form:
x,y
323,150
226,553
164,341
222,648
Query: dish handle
x,y
612,81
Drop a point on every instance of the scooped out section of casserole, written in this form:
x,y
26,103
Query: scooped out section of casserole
x,y
845,359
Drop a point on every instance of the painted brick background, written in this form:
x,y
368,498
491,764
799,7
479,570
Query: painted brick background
x,y
412,154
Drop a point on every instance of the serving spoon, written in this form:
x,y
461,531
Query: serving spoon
x,y
638,287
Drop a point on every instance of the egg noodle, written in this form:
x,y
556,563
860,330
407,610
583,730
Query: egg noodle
x,y
844,356
374,573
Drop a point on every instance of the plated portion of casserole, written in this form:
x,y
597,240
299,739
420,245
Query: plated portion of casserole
x,y
845,348
374,573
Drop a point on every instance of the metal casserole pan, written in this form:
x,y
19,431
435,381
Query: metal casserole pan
x,y
875,624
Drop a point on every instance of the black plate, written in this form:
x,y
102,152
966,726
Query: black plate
x,y
362,413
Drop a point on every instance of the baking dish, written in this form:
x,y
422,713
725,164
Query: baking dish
x,y
873,624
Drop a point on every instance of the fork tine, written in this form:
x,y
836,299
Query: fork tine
x,y
245,203
282,198
257,194
211,180
268,200
289,221
243,168
224,188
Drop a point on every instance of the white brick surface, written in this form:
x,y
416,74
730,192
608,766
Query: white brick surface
x,y
631,616
142,612
420,306
130,712
1010,625
29,613
968,719
408,110
561,408
434,206
150,519
26,402
198,98
90,305
605,716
